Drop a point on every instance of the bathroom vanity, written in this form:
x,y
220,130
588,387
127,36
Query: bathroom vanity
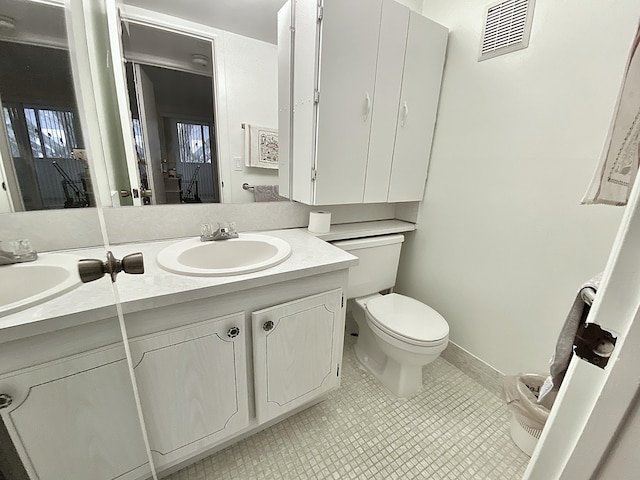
x,y
215,359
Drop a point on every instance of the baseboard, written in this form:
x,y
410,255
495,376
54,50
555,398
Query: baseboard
x,y
481,372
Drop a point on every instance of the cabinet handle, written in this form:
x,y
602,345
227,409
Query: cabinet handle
x,y
233,332
405,114
268,325
367,107
5,400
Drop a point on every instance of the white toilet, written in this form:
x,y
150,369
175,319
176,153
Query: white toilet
x,y
398,335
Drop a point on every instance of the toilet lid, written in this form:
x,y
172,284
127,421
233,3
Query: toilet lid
x,y
408,319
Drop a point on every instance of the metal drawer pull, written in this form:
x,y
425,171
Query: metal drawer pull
x,y
268,325
233,332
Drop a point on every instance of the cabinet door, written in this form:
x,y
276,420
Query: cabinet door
x,y
284,98
348,55
193,385
393,41
424,62
297,351
305,79
92,427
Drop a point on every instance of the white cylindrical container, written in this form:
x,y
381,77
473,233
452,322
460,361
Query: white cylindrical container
x,y
319,222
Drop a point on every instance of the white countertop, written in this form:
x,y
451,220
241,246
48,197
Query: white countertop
x,y
157,287
346,231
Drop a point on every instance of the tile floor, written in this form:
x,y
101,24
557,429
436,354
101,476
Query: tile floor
x,y
454,429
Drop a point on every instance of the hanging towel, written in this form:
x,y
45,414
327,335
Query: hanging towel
x,y
267,193
261,147
564,346
612,181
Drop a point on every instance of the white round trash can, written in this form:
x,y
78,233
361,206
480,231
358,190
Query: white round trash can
x,y
525,437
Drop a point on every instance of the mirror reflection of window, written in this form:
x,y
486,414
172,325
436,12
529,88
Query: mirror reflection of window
x,y
41,144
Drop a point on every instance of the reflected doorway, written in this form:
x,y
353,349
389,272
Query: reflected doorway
x,y
173,118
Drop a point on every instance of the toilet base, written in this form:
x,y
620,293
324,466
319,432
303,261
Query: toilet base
x,y
401,380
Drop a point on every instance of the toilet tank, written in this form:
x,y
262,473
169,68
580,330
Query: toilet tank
x,y
378,265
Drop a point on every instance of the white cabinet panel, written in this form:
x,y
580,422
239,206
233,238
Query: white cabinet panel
x,y
347,81
393,40
297,352
424,63
76,418
304,111
284,97
193,385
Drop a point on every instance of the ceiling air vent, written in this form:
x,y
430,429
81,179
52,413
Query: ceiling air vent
x,y
506,28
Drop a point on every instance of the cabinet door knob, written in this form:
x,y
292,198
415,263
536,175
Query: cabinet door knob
x,y
268,325
233,332
5,400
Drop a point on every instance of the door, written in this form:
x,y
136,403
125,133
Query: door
x,y
423,67
122,99
193,386
593,403
297,350
350,30
150,133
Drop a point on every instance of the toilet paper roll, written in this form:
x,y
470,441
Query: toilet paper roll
x,y
319,222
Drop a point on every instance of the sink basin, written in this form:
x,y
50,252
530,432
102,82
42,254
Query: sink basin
x,y
249,253
24,285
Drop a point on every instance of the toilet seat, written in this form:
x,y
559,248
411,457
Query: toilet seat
x,y
408,320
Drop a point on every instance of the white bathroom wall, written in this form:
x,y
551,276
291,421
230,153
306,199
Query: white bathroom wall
x,y
251,85
502,243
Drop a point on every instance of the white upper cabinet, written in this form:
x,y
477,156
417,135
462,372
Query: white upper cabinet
x,y
347,82
366,82
392,44
423,65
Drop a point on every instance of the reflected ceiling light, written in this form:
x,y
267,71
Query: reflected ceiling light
x,y
7,23
200,60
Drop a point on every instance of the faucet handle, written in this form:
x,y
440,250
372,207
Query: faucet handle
x,y
22,247
206,232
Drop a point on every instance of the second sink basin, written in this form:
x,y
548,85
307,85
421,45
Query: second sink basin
x,y
250,252
31,283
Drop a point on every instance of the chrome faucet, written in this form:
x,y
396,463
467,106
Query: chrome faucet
x,y
225,231
21,252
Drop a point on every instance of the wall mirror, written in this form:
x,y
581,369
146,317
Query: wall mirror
x,y
44,162
42,146
199,102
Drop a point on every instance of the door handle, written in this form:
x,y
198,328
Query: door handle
x,y
93,269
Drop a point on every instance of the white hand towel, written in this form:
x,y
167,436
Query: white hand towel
x,y
564,346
